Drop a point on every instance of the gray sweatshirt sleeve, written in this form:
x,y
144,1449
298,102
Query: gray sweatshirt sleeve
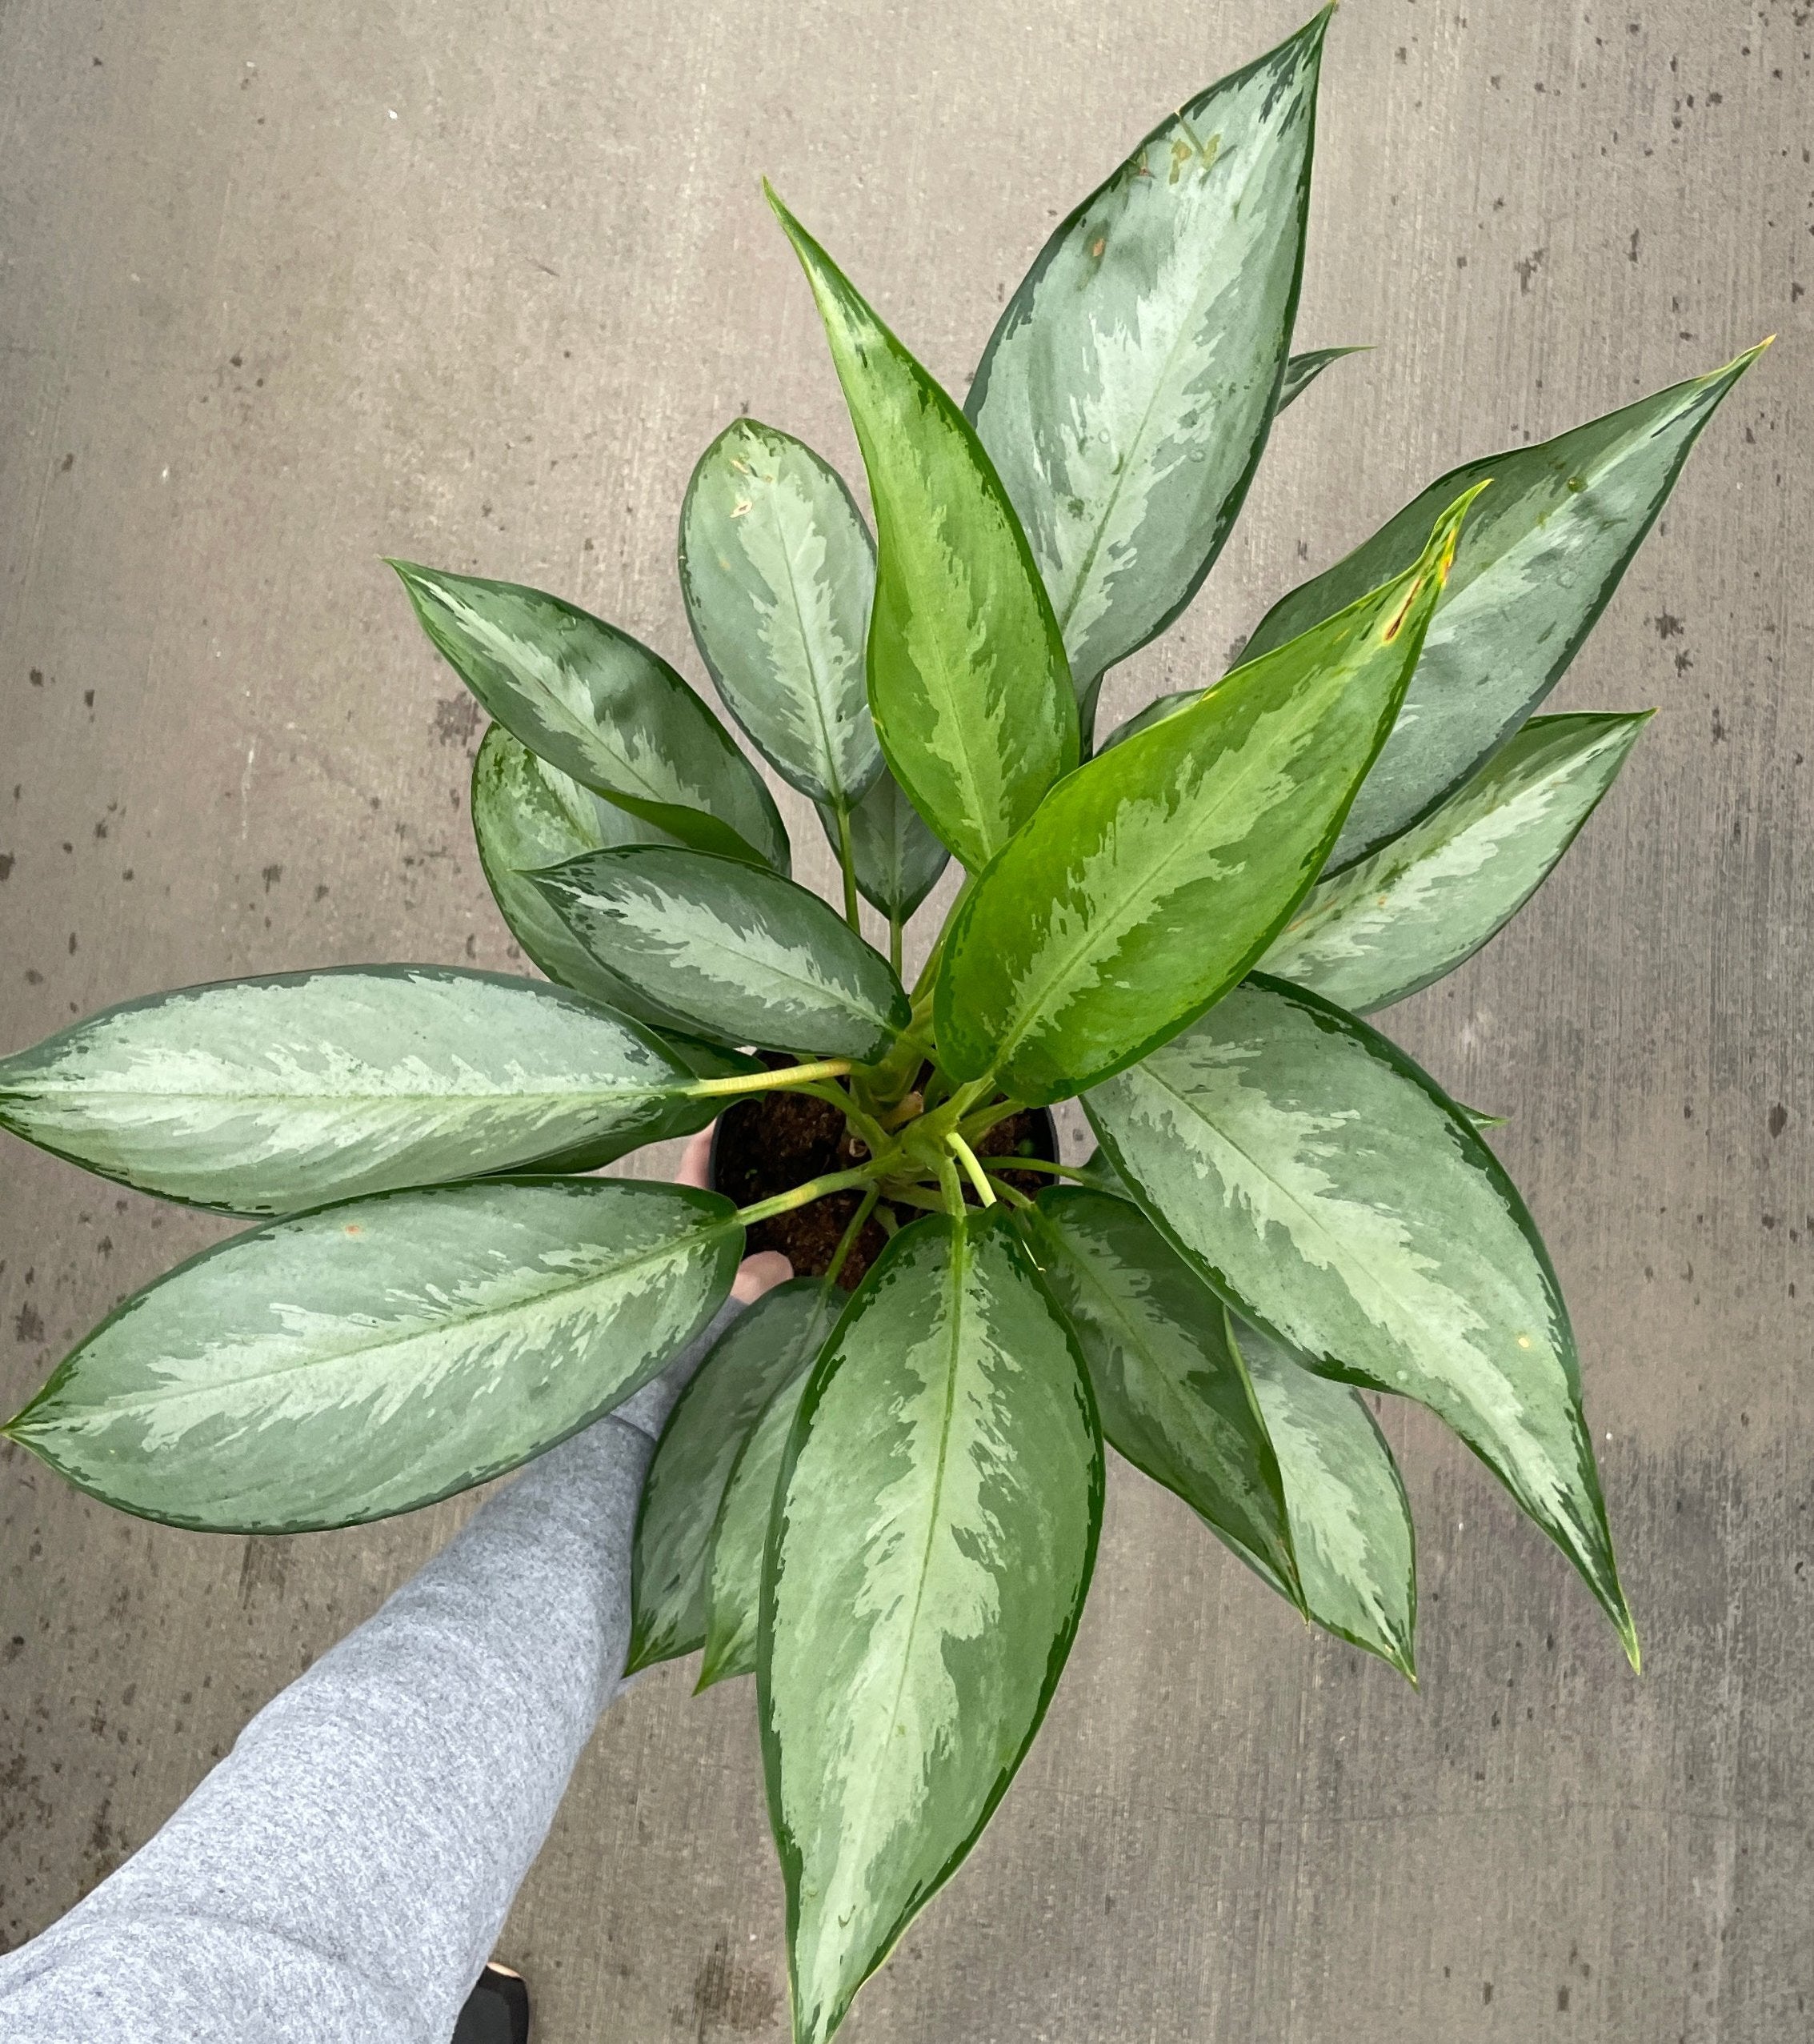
x,y
341,1877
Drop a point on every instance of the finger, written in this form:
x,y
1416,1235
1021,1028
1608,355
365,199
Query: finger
x,y
695,1160
760,1273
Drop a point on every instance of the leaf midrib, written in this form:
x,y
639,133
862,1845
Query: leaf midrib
x,y
1117,919
572,1294
1344,1262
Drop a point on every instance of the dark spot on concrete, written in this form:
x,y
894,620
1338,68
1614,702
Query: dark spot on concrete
x,y
66,464
1779,1119
38,677
1719,728
270,875
1634,247
238,361
33,976
1769,1220
28,1323
72,944
472,947
6,864
321,890
1797,292
456,719
1562,2001
88,699
730,1994
1683,661
1486,1991
127,874
101,830
1528,266
1668,626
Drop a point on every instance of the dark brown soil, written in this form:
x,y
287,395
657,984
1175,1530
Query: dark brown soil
x,y
775,1141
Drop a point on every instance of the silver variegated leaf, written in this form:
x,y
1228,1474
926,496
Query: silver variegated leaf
x,y
268,1096
1170,1385
602,707
734,1566
1302,371
967,673
366,1359
1379,930
931,1549
742,955
526,815
769,1345
778,570
896,858
1336,1198
1351,1524
1126,392
1536,566
1151,879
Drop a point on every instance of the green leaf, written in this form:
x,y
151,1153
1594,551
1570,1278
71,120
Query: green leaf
x,y
778,570
1337,1198
1380,930
765,1348
367,1359
270,1095
734,1564
1156,711
1170,1385
595,702
526,815
1351,1524
1302,371
1155,876
896,858
1535,569
968,679
1127,390
931,1546
742,955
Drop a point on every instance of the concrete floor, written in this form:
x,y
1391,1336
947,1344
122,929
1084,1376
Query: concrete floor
x,y
287,288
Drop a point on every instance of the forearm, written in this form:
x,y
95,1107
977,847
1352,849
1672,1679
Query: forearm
x,y
343,1874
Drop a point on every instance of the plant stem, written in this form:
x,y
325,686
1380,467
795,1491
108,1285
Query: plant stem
x,y
1012,1193
768,1082
952,1187
979,1177
847,859
865,1125
1040,1163
803,1196
847,1241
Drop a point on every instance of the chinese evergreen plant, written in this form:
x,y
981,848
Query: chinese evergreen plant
x,y
887,1506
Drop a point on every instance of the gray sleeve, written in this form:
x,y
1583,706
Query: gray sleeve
x,y
341,1877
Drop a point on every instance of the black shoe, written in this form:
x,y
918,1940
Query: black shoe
x,y
496,2011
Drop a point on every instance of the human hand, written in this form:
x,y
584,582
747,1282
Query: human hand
x,y
757,1274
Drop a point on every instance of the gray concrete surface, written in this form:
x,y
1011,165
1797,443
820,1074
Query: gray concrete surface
x,y
287,288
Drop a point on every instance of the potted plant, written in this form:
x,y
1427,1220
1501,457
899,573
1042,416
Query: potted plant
x,y
881,1494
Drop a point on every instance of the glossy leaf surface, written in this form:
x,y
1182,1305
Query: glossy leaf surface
x,y
1126,392
1351,1524
734,1566
368,1358
1336,1198
767,1345
746,956
926,1569
1152,879
896,858
267,1095
968,679
598,704
778,569
1380,930
1170,1385
1540,560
